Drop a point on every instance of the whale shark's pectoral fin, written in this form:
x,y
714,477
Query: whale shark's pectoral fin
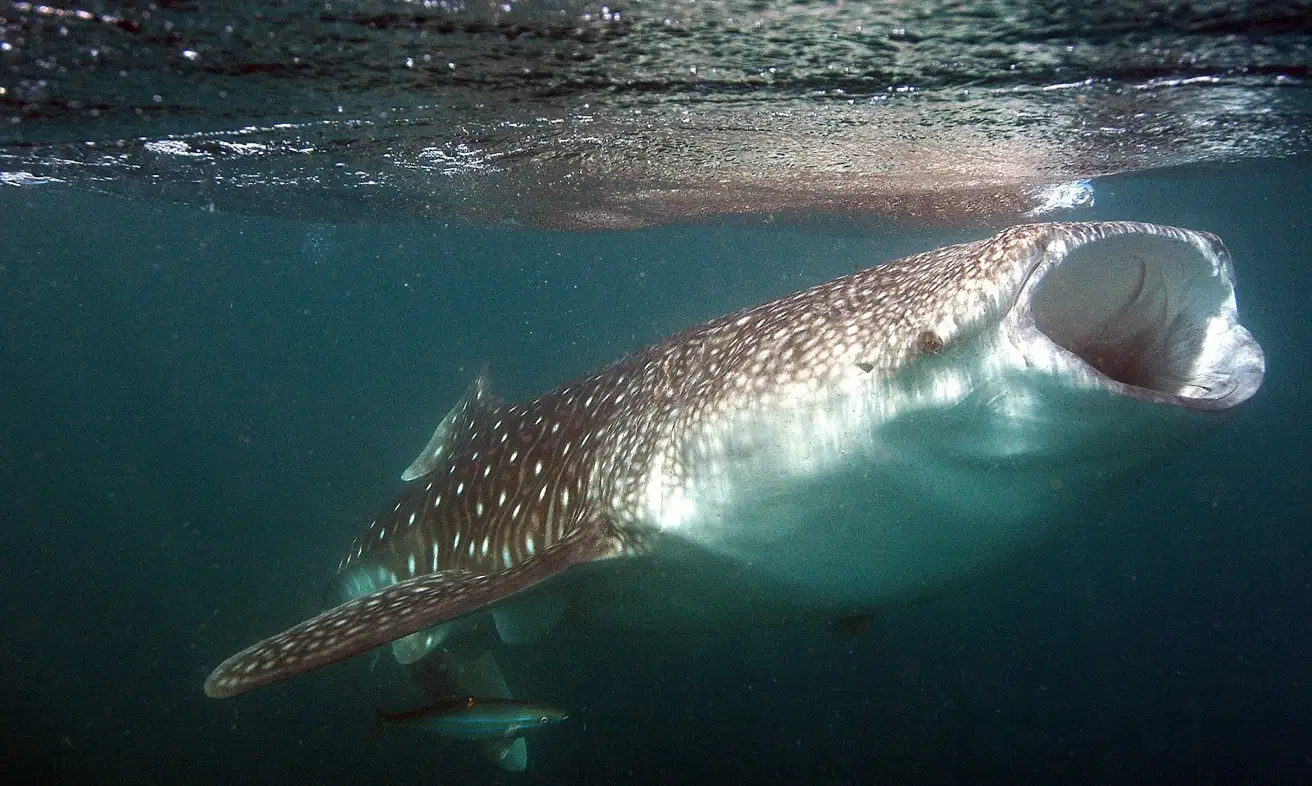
x,y
375,619
458,424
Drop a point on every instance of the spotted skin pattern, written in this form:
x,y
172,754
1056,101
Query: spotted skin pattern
x,y
367,622
514,494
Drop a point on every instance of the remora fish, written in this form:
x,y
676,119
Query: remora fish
x,y
826,453
472,718
443,674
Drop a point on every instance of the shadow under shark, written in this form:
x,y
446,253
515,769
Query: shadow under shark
x,y
822,455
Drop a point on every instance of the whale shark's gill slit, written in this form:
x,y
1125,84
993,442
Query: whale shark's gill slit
x,y
1147,311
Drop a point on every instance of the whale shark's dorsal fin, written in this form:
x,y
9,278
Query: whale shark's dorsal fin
x,y
477,401
401,609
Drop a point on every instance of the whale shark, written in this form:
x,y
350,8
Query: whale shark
x,y
821,456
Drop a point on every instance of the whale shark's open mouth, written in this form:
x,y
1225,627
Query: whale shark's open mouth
x,y
1149,313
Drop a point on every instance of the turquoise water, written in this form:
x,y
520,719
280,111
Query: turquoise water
x,y
201,409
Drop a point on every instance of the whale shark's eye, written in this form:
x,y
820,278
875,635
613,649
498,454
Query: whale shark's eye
x,y
929,342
